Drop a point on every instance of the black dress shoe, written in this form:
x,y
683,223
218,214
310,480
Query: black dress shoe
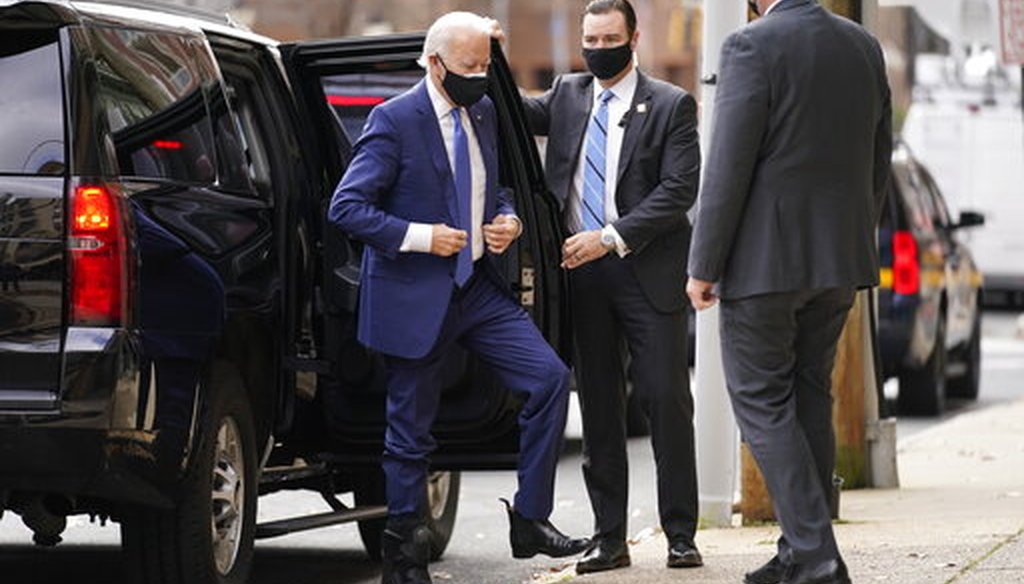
x,y
683,554
770,573
530,537
405,552
604,554
827,572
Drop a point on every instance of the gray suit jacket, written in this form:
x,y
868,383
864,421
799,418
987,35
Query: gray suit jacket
x,y
659,170
799,157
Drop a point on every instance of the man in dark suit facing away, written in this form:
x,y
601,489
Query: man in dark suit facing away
x,y
785,235
422,192
623,159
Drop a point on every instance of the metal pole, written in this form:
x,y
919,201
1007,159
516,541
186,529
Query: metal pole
x,y
880,432
869,15
716,428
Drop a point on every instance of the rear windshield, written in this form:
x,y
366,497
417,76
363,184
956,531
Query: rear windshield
x,y
31,110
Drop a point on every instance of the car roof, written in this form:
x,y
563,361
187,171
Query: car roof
x,y
139,14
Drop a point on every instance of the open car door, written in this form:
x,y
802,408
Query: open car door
x,y
337,83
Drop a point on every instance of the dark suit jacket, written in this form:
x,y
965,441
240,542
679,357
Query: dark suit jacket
x,y
799,156
659,170
400,174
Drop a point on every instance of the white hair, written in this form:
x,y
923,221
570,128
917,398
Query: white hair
x,y
441,32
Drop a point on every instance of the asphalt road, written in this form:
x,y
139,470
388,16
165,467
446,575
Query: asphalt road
x,y
478,553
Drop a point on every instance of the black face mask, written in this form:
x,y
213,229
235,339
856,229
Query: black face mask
x,y
753,7
464,90
607,63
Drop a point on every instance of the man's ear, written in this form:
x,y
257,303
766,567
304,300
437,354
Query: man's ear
x,y
635,40
434,66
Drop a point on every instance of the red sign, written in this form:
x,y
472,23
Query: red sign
x,y
1011,31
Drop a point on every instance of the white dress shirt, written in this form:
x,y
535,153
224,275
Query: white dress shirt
x,y
618,107
419,236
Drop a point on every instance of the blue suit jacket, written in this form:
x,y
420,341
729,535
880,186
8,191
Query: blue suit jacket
x,y
400,174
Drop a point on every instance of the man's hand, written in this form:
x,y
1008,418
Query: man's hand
x,y
446,241
700,294
496,32
582,248
500,234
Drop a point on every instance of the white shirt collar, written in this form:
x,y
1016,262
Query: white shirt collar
x,y
441,106
772,7
622,90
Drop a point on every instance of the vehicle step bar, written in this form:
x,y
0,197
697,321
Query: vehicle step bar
x,y
29,402
292,473
305,523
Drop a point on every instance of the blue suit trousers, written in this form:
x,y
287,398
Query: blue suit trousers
x,y
488,323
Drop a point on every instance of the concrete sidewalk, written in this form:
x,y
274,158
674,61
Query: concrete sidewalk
x,y
957,518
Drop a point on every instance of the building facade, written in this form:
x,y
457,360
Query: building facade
x,y
543,35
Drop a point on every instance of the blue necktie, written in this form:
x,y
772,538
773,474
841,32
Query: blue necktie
x,y
592,209
464,195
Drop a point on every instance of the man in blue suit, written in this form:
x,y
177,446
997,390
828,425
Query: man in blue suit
x,y
422,193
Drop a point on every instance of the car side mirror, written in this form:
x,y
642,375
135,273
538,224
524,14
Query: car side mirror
x,y
970,219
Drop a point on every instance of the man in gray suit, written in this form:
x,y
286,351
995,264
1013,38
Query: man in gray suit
x,y
623,160
785,235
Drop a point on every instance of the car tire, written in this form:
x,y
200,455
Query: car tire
x,y
208,537
442,507
967,385
923,391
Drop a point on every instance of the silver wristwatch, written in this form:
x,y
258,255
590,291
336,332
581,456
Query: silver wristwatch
x,y
607,239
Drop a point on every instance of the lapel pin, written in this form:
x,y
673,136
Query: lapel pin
x,y
641,108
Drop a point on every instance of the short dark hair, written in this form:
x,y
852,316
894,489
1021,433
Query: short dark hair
x,y
606,6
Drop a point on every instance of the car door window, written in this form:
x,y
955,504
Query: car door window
x,y
233,169
941,212
353,95
151,97
255,131
31,109
916,207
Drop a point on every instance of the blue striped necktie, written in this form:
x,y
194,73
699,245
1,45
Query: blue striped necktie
x,y
592,209
464,196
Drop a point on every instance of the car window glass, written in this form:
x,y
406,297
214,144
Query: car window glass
x,y
245,103
920,181
352,96
918,214
938,204
233,172
31,103
151,96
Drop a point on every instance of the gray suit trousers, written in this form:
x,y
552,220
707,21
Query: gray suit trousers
x,y
778,351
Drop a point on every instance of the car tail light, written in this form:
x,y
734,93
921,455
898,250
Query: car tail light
x,y
906,268
97,251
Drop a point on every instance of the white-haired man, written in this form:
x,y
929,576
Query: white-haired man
x,y
422,193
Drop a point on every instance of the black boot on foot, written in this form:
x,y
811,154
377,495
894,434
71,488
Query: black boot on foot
x,y
530,537
405,551
770,573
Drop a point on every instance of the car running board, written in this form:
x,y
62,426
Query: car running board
x,y
308,522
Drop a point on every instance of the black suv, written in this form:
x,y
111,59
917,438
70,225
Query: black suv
x,y
929,299
176,318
